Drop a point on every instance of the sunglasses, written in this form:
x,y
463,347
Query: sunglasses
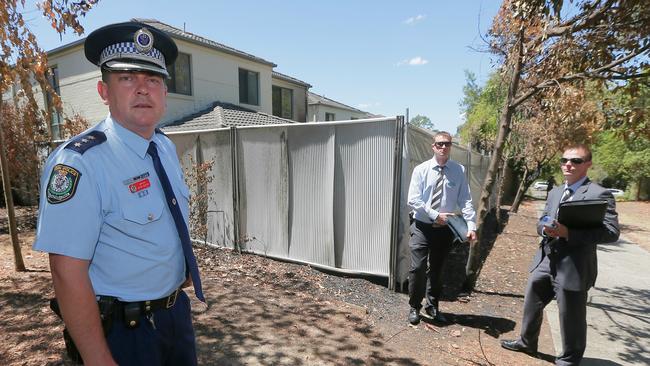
x,y
575,161
442,143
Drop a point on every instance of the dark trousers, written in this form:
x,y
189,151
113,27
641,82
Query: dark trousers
x,y
433,244
170,343
572,305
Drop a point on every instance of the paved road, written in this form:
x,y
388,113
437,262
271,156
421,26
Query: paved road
x,y
618,310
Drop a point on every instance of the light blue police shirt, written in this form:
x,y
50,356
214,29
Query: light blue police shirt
x,y
114,213
455,192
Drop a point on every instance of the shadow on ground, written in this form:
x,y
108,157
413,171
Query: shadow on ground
x,y
493,326
630,313
29,318
248,325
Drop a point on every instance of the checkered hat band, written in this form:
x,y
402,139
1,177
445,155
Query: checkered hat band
x,y
127,50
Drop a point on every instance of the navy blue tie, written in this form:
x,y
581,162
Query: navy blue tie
x,y
181,227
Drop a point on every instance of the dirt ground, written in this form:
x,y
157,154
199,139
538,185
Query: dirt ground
x,y
265,312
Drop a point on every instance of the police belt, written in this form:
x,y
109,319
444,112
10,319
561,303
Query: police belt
x,y
130,313
147,306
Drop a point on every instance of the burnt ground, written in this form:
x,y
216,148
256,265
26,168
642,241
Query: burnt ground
x,y
266,312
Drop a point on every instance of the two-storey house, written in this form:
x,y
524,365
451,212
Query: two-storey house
x,y
206,74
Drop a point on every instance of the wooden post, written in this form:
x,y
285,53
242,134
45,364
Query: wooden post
x,y
9,200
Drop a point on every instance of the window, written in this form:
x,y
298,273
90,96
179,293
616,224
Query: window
x,y
282,102
180,75
330,116
249,87
55,121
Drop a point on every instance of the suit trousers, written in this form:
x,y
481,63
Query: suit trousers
x,y
433,244
572,305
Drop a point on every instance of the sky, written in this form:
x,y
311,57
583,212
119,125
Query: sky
x,y
379,56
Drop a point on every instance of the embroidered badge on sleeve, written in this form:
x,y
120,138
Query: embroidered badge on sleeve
x,y
62,184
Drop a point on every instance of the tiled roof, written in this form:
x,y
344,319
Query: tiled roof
x,y
313,98
221,115
190,37
290,79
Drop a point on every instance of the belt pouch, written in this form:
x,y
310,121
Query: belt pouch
x,y
105,304
132,313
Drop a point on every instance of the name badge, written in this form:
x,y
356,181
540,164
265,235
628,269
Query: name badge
x,y
139,184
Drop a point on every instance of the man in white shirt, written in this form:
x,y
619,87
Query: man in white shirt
x,y
438,188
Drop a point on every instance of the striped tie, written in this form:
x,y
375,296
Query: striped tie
x,y
436,198
565,196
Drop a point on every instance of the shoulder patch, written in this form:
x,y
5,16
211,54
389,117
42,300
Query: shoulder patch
x,y
62,184
84,142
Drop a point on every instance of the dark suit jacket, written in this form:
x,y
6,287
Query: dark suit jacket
x,y
574,261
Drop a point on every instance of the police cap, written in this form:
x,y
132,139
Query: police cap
x,y
131,46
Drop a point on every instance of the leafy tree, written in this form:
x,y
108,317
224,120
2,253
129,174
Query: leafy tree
x,y
482,107
542,45
471,93
630,161
22,61
422,122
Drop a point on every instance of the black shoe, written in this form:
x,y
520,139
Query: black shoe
x,y
436,315
414,316
517,346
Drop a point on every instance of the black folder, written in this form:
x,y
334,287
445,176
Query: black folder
x,y
458,227
586,214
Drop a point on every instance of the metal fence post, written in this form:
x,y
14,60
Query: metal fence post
x,y
397,190
234,156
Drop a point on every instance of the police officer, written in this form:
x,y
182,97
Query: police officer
x,y
113,214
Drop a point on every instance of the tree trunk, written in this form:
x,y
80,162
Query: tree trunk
x,y
520,192
505,120
9,200
500,184
497,201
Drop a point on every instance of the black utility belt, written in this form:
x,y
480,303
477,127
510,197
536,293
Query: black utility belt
x,y
147,306
131,312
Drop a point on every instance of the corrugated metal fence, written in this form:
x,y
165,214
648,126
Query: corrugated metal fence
x,y
330,194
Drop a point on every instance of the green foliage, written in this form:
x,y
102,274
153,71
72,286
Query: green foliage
x,y
471,92
422,122
623,150
629,160
482,107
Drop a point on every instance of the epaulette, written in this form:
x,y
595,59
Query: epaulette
x,y
84,142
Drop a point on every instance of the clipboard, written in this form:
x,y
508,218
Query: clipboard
x,y
585,214
458,227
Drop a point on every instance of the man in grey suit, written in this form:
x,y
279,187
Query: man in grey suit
x,y
565,265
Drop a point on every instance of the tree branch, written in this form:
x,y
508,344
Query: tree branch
x,y
595,74
579,22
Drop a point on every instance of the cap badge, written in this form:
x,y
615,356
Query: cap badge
x,y
143,40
